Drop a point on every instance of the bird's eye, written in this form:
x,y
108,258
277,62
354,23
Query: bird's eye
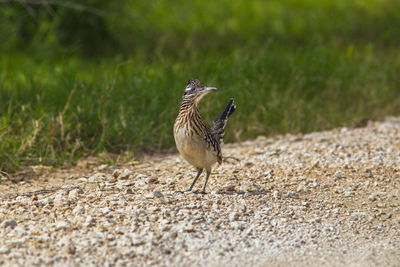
x,y
189,89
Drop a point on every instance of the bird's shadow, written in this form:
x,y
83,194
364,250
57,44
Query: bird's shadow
x,y
231,193
253,193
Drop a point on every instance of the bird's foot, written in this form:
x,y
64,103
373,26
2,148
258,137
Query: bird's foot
x,y
203,192
184,191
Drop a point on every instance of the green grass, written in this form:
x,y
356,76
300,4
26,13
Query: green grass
x,y
59,110
292,66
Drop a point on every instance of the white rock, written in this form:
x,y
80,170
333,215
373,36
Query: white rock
x,y
62,225
90,221
233,216
23,200
74,194
237,225
4,250
78,209
60,200
372,197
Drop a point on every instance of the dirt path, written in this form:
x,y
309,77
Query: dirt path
x,y
322,198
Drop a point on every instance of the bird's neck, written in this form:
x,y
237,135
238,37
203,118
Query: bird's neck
x,y
188,107
188,114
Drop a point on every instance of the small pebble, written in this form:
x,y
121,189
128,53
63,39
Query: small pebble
x,y
9,223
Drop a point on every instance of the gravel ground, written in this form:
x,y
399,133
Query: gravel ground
x,y
322,198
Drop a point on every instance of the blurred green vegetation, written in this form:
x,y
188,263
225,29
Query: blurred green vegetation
x,y
128,27
81,77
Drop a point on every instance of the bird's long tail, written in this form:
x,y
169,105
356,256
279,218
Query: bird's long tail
x,y
221,120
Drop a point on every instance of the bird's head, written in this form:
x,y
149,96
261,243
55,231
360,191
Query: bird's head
x,y
195,90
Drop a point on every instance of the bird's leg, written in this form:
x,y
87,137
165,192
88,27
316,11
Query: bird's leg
x,y
205,184
195,180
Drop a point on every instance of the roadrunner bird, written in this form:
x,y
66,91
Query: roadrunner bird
x,y
198,144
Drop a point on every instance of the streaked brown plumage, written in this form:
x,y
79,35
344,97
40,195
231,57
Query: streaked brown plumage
x,y
196,142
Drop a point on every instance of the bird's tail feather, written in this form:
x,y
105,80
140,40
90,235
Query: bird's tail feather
x,y
221,120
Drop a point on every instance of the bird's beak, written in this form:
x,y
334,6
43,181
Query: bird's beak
x,y
204,91
209,89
